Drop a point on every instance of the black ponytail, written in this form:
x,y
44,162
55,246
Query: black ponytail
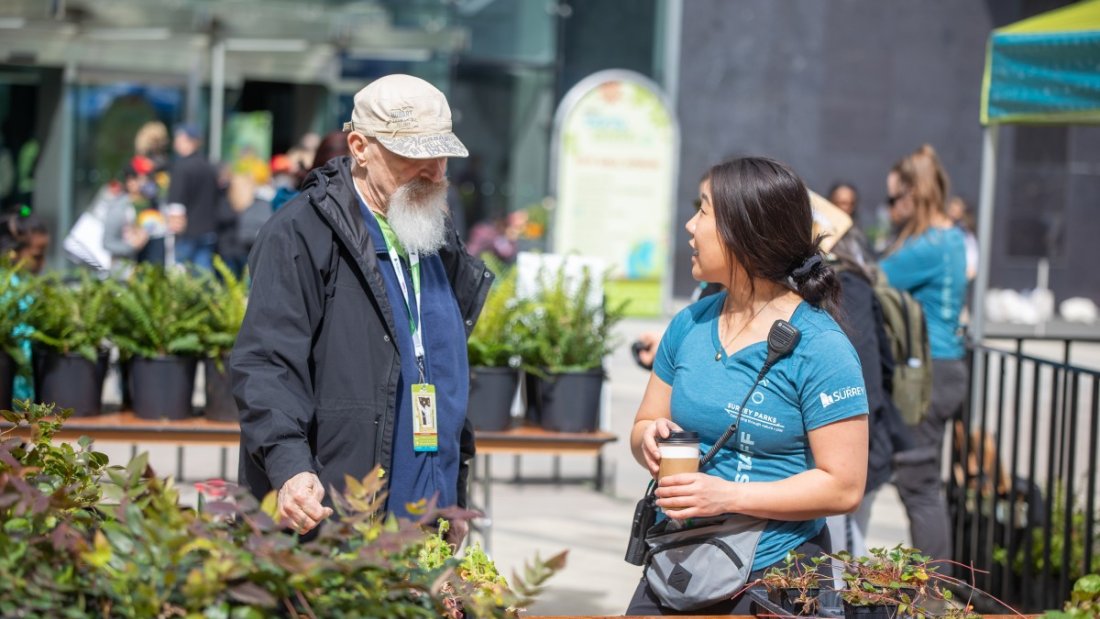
x,y
816,282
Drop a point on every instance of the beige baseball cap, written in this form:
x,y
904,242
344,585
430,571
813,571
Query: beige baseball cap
x,y
408,116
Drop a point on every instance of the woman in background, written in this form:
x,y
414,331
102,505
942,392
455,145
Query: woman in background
x,y
928,260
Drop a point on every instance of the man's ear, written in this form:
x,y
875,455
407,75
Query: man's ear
x,y
357,145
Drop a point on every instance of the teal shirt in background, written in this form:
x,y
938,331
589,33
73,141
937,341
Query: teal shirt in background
x,y
932,268
819,383
23,384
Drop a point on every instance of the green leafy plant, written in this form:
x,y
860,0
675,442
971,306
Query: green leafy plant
x,y
1057,541
47,496
899,577
797,581
80,539
158,312
71,319
566,332
1084,602
226,301
496,340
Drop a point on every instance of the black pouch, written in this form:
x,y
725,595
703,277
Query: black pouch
x,y
645,514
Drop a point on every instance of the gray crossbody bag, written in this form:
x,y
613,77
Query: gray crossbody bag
x,y
691,567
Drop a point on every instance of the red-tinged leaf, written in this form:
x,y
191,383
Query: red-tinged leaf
x,y
251,593
221,508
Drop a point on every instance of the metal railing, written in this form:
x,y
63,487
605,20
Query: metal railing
x,y
1022,484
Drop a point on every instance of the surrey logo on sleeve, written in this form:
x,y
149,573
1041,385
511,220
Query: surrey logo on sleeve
x,y
828,399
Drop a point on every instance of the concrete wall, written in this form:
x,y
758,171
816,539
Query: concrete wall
x,y
842,89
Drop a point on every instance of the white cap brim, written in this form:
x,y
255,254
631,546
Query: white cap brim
x,y
424,146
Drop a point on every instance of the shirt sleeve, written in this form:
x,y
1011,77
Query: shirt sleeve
x,y
832,381
664,363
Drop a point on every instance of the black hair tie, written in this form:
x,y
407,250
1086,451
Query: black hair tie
x,y
807,268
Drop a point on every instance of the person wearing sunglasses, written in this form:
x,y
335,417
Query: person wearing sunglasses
x,y
928,260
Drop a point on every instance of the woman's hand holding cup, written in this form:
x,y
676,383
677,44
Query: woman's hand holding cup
x,y
659,430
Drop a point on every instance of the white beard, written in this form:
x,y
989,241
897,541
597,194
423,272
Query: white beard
x,y
417,213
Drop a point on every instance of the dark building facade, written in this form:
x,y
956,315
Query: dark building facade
x,y
842,89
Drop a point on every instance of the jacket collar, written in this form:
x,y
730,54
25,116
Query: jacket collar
x,y
331,191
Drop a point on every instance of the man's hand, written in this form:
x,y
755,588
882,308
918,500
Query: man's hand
x,y
299,506
457,533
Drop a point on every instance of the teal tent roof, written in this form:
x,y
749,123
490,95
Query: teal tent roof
x,y
1045,69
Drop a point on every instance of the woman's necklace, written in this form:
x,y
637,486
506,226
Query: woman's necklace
x,y
718,355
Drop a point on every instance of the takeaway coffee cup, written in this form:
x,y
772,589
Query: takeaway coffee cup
x,y
679,453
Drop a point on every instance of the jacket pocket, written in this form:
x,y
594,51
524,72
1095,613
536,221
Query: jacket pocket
x,y
345,439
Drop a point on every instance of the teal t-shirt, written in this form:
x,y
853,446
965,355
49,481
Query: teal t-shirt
x,y
932,268
819,383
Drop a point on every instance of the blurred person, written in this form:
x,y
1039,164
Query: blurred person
x,y
194,185
500,237
362,299
928,260
846,251
248,208
845,197
287,173
24,241
151,142
133,226
807,451
959,213
333,145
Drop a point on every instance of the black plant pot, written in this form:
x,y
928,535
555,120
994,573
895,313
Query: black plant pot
x,y
492,391
570,402
70,380
532,414
787,600
877,611
161,387
220,405
8,368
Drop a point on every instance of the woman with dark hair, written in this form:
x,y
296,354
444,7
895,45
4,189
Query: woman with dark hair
x,y
800,452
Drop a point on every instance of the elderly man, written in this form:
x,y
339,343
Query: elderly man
x,y
362,299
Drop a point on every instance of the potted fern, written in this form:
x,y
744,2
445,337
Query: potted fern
x,y
70,325
12,304
568,336
226,298
495,353
157,319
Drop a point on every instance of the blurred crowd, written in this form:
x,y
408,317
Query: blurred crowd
x,y
169,204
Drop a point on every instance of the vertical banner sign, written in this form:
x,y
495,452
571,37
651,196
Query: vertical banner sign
x,y
614,166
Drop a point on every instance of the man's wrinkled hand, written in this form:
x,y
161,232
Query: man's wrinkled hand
x,y
299,503
457,533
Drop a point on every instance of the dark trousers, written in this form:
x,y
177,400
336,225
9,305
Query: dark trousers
x,y
918,472
645,602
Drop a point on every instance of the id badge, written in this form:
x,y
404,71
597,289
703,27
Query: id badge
x,y
425,430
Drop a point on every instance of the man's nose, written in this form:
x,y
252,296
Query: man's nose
x,y
434,169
